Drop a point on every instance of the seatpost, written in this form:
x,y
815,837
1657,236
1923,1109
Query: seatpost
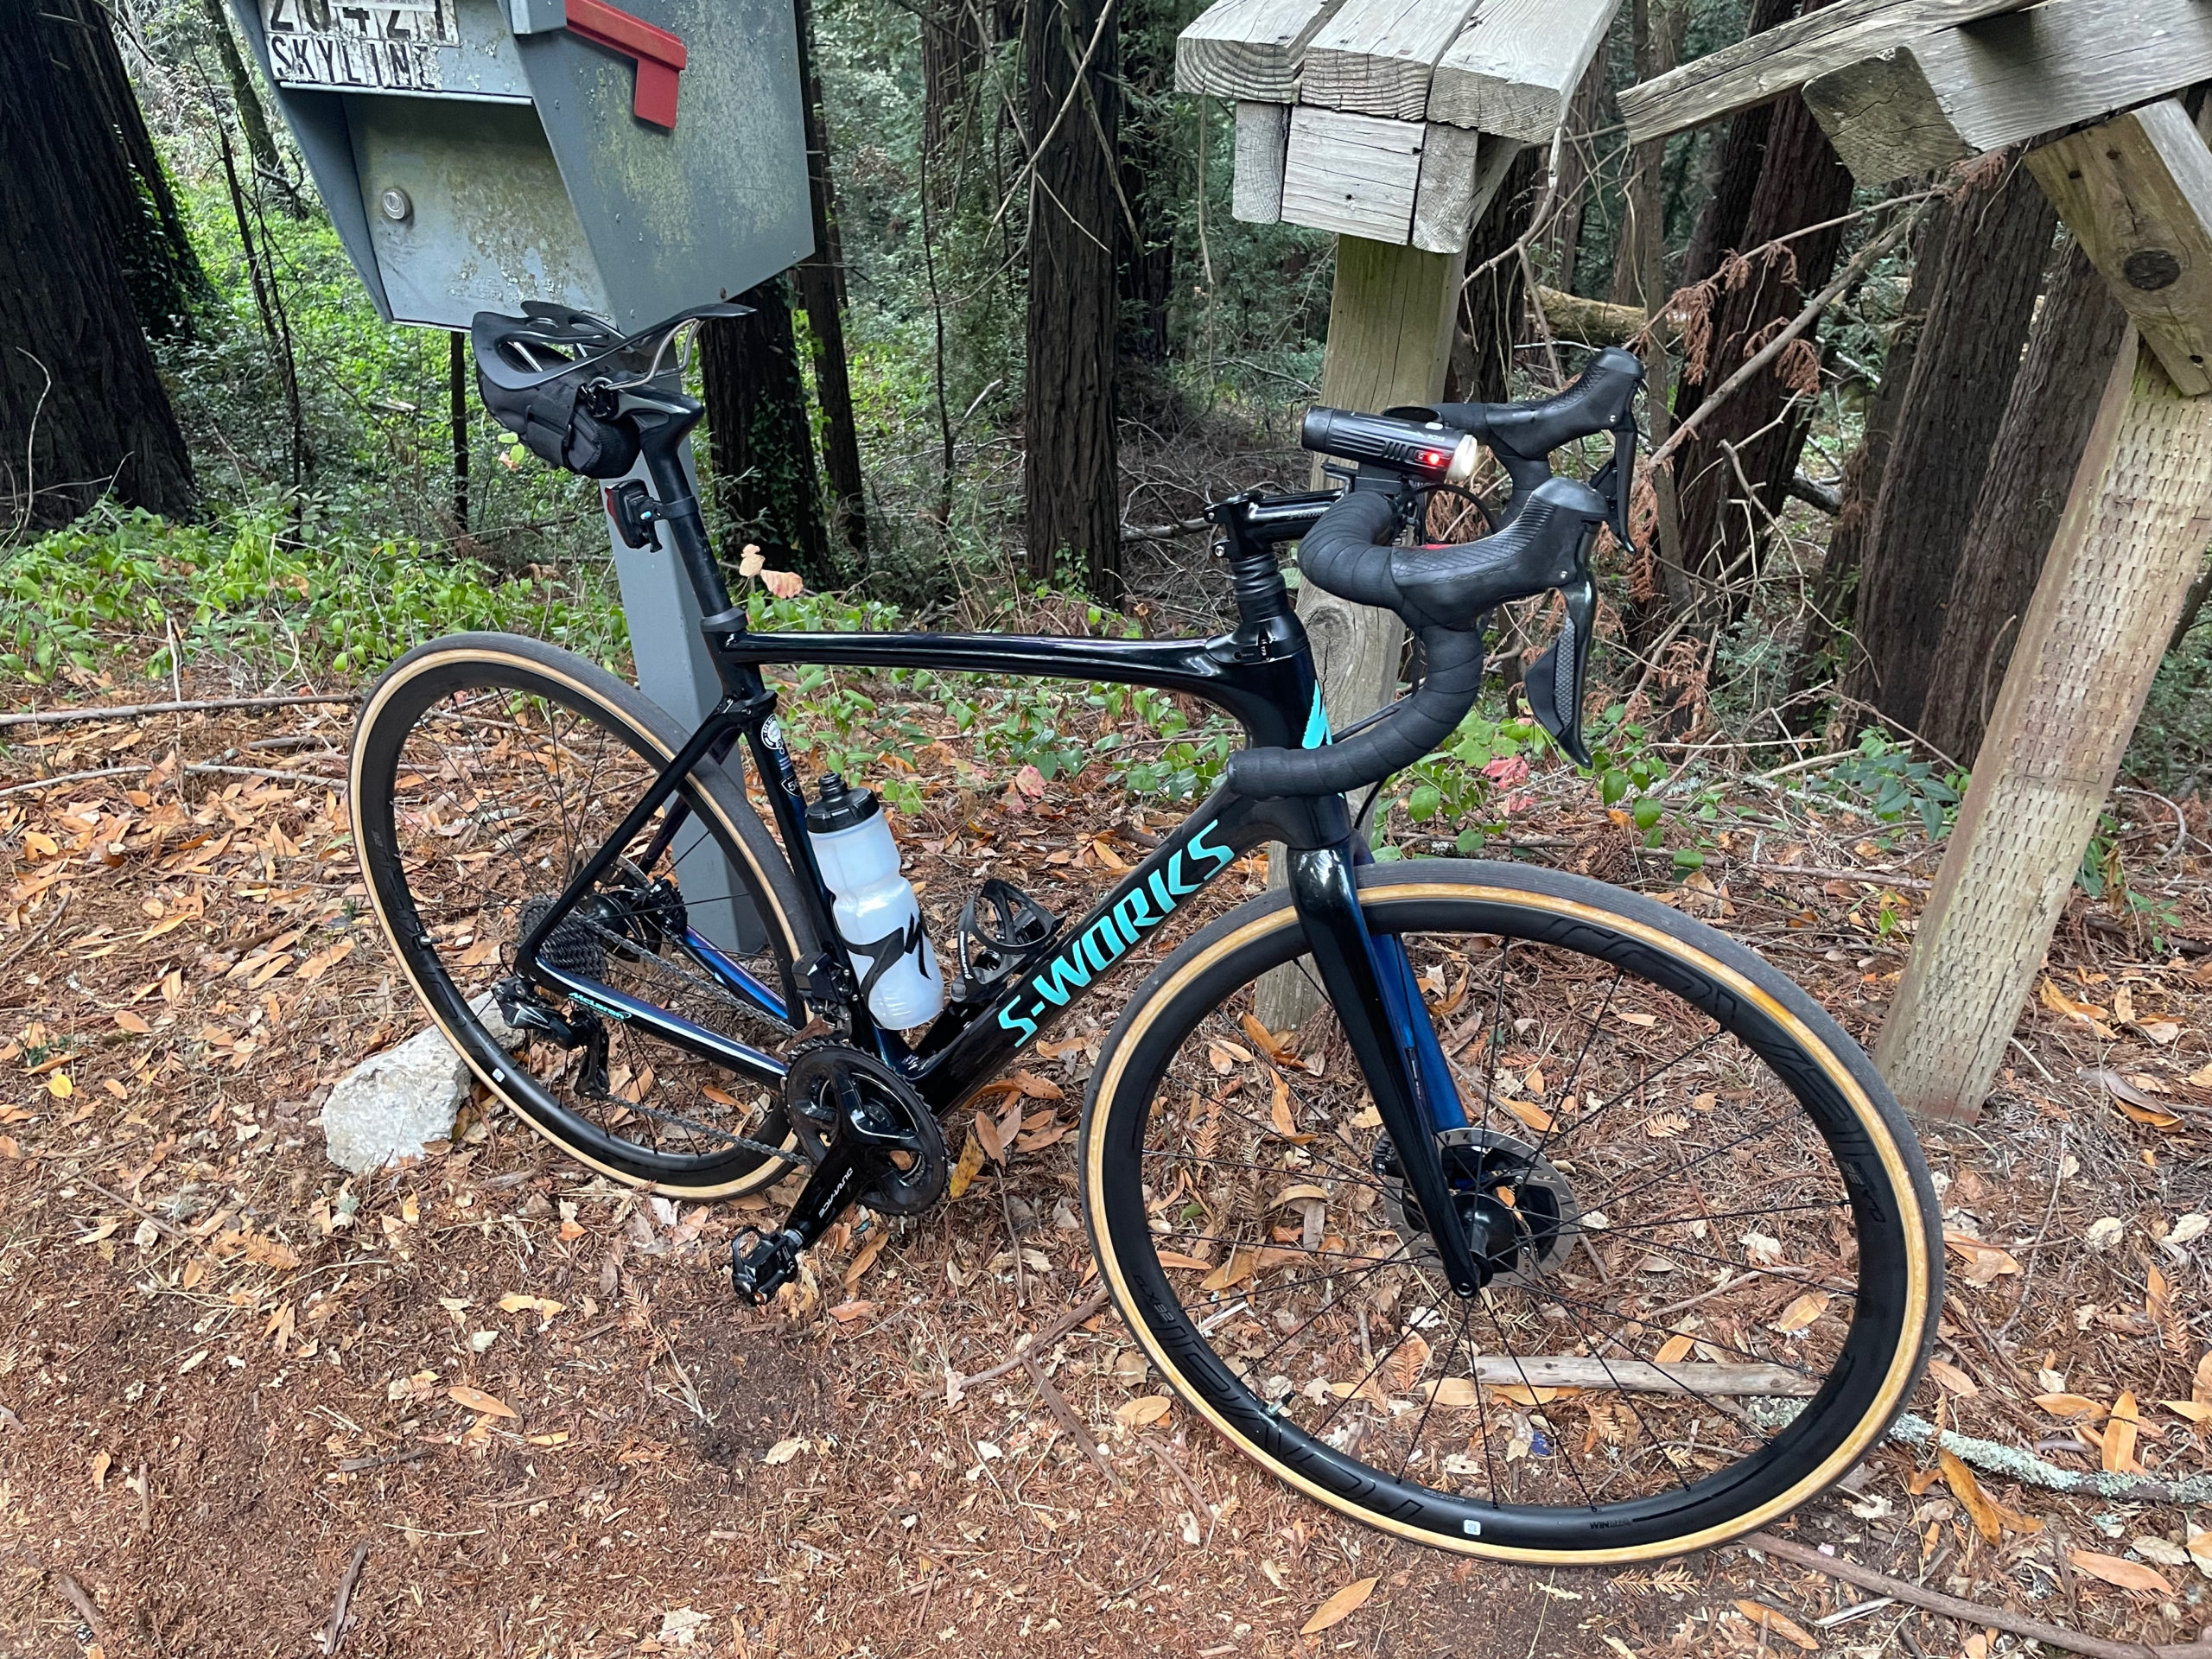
x,y
662,427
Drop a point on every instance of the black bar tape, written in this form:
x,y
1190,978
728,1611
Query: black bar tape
x,y
1454,680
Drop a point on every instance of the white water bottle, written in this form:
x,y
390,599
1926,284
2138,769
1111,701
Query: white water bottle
x,y
878,916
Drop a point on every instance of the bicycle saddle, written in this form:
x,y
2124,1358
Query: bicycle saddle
x,y
550,377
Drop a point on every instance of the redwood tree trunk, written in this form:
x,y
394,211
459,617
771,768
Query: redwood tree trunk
x,y
1733,473
1490,305
83,411
1737,161
2078,333
1563,243
1835,590
821,278
1069,478
1993,258
758,435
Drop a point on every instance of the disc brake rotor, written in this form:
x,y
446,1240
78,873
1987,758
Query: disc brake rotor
x,y
1486,1164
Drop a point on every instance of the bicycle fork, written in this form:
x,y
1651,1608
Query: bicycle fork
x,y
1394,1040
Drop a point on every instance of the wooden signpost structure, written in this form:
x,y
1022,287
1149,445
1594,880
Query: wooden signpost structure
x,y
1375,119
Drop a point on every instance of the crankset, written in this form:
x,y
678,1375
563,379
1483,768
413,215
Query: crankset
x,y
1516,1207
873,1141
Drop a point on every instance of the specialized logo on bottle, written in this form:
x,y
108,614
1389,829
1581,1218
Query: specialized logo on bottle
x,y
884,954
1105,943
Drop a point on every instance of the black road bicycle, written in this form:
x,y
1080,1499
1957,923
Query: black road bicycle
x,y
1687,1262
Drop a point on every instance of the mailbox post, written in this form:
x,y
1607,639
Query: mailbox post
x,y
629,161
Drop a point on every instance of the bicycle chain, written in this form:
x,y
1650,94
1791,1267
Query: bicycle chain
x,y
743,1143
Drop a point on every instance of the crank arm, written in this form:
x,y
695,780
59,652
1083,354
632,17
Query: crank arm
x,y
762,1264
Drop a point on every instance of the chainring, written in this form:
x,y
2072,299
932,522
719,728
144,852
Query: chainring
x,y
810,1104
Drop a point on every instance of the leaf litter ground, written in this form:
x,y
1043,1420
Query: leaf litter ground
x,y
225,1367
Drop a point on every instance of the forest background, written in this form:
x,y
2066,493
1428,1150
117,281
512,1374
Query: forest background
x,y
1011,378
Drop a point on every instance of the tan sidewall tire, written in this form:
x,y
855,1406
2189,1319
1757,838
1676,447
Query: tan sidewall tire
x,y
1559,895
738,828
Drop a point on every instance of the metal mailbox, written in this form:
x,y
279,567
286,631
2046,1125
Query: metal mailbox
x,y
628,161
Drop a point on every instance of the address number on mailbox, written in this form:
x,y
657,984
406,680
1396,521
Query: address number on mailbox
x,y
392,49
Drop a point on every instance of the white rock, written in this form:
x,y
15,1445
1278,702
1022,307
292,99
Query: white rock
x,y
393,1104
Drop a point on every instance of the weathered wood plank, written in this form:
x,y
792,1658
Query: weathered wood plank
x,y
1513,69
1629,1375
1354,175
1262,140
1377,56
1460,172
2134,529
1779,60
1959,91
2137,193
1249,49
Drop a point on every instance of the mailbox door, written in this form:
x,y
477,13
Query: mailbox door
x,y
466,209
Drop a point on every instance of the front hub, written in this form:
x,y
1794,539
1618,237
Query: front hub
x,y
1514,1207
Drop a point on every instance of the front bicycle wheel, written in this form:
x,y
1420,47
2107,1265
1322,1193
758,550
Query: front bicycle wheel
x,y
487,770
1728,1264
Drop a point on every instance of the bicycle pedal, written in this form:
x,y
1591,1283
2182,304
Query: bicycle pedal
x,y
760,1264
1002,930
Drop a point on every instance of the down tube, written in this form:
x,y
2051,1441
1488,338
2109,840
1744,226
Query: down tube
x,y
1201,847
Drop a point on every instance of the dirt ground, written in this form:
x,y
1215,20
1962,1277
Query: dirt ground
x,y
491,1404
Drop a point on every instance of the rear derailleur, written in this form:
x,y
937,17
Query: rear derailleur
x,y
872,1141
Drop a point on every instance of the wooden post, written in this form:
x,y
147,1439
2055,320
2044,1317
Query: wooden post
x,y
2137,193
1389,341
2135,528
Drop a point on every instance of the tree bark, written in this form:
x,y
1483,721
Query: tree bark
x,y
1737,161
83,411
1563,243
1734,471
821,277
1835,589
1492,305
758,435
1984,300
253,120
1656,27
952,52
2078,335
457,389
1154,180
1070,483
136,200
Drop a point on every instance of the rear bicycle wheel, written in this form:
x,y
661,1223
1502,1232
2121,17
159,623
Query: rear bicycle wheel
x,y
487,770
1727,1270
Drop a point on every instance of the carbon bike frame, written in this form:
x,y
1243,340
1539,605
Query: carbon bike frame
x,y
1261,674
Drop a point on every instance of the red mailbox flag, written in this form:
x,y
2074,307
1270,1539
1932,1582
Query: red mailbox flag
x,y
658,54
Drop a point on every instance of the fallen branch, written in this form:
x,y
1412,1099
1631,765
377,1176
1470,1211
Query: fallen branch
x,y
198,769
1824,873
336,1633
955,1385
1056,1403
166,1228
1760,361
141,710
354,1465
2013,1464
1166,533
1970,1612
1600,322
1637,1375
79,1597
1826,497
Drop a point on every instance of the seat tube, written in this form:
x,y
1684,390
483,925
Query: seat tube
x,y
1324,886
